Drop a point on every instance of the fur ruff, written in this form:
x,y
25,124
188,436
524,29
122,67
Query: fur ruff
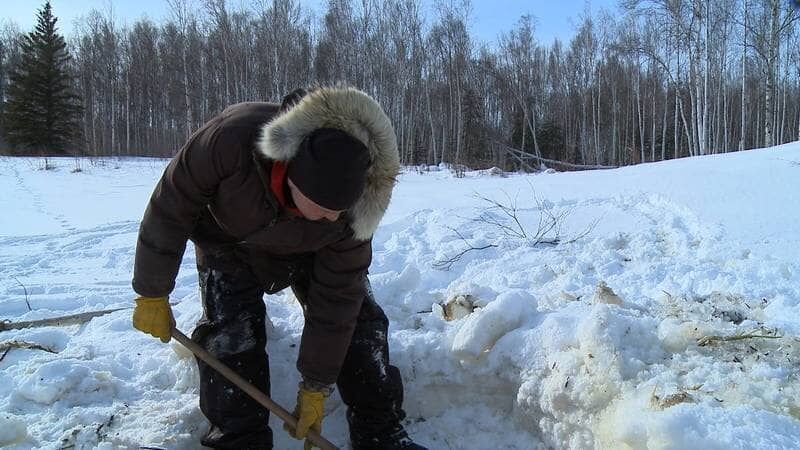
x,y
359,115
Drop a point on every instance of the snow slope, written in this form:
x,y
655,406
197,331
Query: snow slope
x,y
549,358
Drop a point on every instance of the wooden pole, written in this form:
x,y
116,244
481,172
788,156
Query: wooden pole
x,y
248,388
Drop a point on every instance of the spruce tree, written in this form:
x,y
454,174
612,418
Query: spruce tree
x,y
42,111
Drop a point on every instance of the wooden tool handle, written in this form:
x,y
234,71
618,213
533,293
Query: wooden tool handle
x,y
247,387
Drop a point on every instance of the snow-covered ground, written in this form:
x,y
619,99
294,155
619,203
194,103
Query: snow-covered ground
x,y
549,358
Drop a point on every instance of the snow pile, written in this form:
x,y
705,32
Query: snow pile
x,y
481,331
12,429
673,324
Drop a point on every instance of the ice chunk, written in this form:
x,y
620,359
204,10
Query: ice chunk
x,y
484,327
677,336
604,294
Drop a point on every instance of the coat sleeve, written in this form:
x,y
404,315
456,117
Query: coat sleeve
x,y
336,292
186,187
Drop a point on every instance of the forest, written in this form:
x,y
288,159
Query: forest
x,y
653,80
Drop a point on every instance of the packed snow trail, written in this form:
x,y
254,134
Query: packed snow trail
x,y
692,248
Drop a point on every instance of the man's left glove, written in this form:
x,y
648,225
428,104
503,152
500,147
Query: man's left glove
x,y
309,411
153,315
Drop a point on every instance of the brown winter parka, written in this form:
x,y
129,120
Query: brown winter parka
x,y
216,192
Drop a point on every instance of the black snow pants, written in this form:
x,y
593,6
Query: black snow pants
x,y
233,329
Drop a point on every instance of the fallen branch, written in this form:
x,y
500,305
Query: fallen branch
x,y
706,340
8,345
72,319
521,156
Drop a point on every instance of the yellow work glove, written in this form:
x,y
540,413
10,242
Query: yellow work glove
x,y
153,315
309,410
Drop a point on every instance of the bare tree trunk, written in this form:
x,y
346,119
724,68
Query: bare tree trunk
x,y
725,132
596,121
180,11
704,130
759,140
783,116
694,109
614,105
675,128
686,127
769,95
113,118
664,124
459,121
186,97
450,119
524,127
401,132
127,114
531,123
743,136
653,129
640,116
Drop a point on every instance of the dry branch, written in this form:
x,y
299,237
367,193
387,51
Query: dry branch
x,y
523,156
26,293
8,345
446,264
72,319
508,222
706,340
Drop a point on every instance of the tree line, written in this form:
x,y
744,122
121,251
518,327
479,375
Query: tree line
x,y
664,79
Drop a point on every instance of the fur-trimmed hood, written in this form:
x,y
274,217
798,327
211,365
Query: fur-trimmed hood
x,y
356,113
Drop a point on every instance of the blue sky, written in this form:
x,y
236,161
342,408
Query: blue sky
x,y
555,18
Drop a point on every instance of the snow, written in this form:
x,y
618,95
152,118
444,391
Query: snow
x,y
580,345
481,331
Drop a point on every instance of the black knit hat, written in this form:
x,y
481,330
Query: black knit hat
x,y
330,168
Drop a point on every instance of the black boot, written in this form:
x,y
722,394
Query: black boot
x,y
393,438
217,439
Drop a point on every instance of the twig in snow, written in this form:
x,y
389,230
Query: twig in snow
x,y
106,424
706,340
8,345
26,293
504,216
448,263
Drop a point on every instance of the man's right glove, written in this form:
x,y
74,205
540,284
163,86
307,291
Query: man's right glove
x,y
153,315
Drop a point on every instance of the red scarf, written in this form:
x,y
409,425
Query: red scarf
x,y
277,181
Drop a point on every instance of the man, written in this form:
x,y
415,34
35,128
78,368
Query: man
x,y
274,197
